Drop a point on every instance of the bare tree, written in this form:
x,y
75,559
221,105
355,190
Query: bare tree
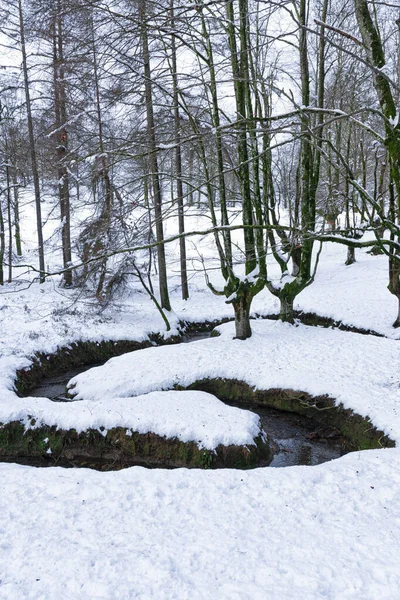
x,y
61,135
385,90
32,145
153,161
178,158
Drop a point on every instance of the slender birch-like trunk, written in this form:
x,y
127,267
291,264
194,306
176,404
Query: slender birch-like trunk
x,y
32,145
178,159
60,106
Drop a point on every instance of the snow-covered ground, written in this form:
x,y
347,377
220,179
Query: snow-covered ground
x,y
331,531
308,533
312,359
190,416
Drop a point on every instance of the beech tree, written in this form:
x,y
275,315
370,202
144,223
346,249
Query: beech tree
x,y
156,108
385,90
178,157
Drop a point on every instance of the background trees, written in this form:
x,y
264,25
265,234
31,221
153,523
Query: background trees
x,y
279,122
390,113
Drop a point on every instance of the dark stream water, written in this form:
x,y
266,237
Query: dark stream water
x,y
296,440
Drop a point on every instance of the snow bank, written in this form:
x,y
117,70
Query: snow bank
x,y
44,318
361,372
356,295
330,532
187,415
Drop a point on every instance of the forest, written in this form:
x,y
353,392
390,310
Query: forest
x,y
274,120
200,299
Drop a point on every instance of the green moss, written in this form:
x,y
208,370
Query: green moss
x,y
215,333
118,448
79,354
359,431
206,458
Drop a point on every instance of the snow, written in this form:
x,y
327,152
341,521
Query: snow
x,y
311,359
356,295
326,532
187,415
285,280
394,121
303,532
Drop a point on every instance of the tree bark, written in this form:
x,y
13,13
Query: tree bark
x,y
105,199
60,106
218,143
2,245
240,71
16,213
351,256
351,252
104,172
178,161
153,162
286,313
32,147
241,307
10,234
296,259
397,321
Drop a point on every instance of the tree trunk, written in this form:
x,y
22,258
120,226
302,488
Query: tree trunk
x,y
240,72
16,213
375,51
10,235
62,142
189,186
2,245
32,145
394,280
351,256
296,260
218,144
102,196
242,317
77,184
178,161
308,177
286,313
104,173
397,321
153,162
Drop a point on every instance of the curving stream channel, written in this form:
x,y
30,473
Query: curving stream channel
x,y
296,440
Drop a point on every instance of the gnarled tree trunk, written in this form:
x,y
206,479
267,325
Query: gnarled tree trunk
x,y
286,313
241,307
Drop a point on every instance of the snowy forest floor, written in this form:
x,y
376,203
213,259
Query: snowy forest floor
x,y
329,531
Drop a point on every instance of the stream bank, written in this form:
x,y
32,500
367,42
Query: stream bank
x,y
302,429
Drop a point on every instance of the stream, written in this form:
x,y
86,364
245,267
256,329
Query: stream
x,y
295,439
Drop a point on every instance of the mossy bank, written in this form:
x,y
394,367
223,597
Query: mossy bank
x,y
118,448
